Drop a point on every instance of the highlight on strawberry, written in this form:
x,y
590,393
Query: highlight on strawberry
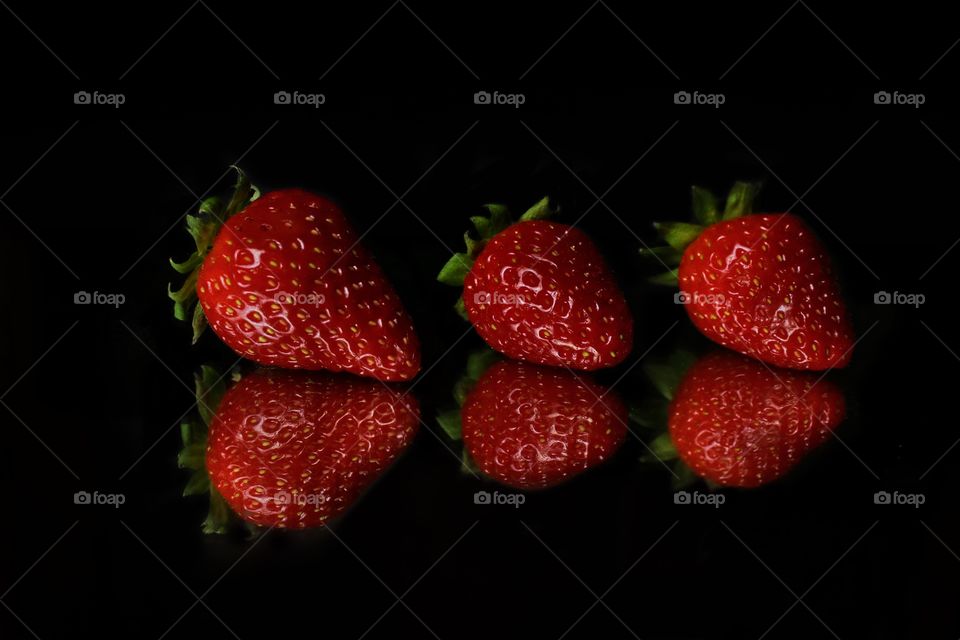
x,y
283,280
291,449
540,291
533,427
734,421
760,284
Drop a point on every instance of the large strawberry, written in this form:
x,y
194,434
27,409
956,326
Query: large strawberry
x,y
286,282
293,449
761,284
532,427
540,291
737,422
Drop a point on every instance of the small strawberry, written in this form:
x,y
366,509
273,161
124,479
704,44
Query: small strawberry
x,y
287,283
533,427
540,291
292,449
738,423
759,284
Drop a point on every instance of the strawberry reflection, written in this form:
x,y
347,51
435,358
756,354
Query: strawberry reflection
x,y
291,449
533,427
741,423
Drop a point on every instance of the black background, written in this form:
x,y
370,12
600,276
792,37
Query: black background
x,y
402,147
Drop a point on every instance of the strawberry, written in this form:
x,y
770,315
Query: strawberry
x,y
540,291
287,283
294,449
760,284
532,427
739,423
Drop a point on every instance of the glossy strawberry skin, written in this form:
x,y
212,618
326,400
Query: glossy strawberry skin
x,y
541,292
739,423
762,285
293,449
288,284
533,427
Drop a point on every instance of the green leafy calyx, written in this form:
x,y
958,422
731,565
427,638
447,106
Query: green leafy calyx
x,y
485,227
203,228
706,212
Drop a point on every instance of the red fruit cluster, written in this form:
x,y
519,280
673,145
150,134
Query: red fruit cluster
x,y
540,292
762,285
284,281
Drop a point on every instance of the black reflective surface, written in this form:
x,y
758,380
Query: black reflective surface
x,y
94,394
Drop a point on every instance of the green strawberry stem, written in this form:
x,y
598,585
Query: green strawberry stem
x,y
679,235
203,228
210,387
458,266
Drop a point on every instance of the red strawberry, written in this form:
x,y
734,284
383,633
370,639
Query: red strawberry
x,y
540,291
762,285
739,423
287,283
533,427
291,450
